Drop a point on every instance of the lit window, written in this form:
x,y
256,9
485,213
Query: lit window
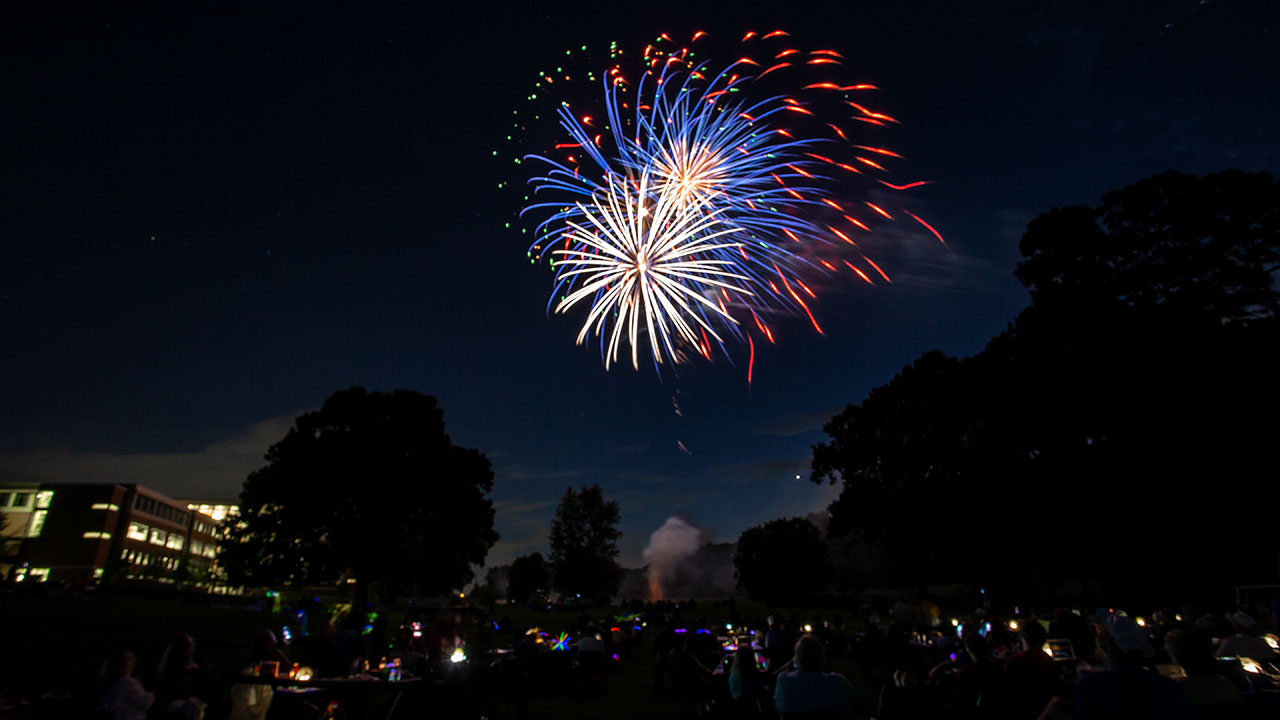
x,y
197,547
43,498
109,507
38,574
137,531
209,551
174,542
158,536
37,523
94,535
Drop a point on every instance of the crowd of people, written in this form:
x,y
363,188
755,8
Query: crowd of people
x,y
1039,665
183,688
1073,664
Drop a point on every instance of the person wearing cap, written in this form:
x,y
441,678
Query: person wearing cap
x,y
1127,689
1245,642
809,690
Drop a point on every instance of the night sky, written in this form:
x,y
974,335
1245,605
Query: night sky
x,y
212,220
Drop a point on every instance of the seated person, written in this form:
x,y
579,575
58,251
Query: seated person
x,y
1127,689
124,697
980,675
1202,685
746,684
810,690
1245,642
591,642
687,674
1030,678
180,690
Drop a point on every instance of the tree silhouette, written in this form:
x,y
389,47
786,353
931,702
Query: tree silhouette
x,y
1120,395
584,545
1202,249
528,575
782,561
371,488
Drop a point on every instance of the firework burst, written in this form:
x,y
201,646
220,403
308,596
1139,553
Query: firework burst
x,y
694,205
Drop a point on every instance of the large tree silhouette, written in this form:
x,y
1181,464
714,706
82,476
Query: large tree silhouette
x,y
371,488
528,575
1116,433
782,561
584,545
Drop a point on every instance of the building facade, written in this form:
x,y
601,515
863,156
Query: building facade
x,y
84,532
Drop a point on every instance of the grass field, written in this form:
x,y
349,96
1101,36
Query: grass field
x,y
57,644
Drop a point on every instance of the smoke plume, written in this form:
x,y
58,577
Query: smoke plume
x,y
669,546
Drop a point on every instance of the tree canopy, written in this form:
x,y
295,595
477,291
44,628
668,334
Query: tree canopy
x,y
584,545
368,487
1120,416
782,561
528,575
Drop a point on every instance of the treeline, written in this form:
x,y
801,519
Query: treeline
x,y
1117,438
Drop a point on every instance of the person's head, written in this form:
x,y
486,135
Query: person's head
x,y
118,665
810,654
263,645
976,646
179,655
1243,622
1033,635
1191,651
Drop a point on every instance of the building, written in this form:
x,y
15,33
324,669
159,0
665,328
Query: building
x,y
77,532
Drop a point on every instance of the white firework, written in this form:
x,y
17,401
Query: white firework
x,y
651,261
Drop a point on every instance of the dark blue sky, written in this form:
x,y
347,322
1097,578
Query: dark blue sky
x,y
212,219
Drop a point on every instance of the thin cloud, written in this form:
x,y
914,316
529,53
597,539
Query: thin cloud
x,y
217,471
800,424
765,471
522,473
